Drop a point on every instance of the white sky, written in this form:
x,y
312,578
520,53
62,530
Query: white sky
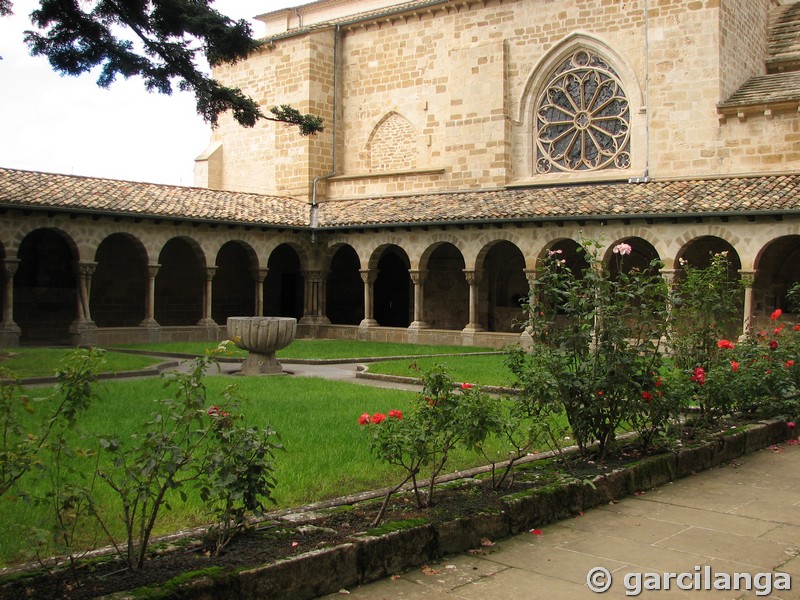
x,y
70,125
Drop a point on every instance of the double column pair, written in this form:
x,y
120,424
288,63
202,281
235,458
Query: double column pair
x,y
418,277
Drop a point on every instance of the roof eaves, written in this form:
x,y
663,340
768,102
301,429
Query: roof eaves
x,y
154,216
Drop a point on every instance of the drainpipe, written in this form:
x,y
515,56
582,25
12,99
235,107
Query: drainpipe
x,y
313,219
646,175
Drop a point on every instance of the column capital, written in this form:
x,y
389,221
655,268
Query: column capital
x,y
152,269
210,272
11,265
87,268
368,275
472,277
748,276
668,275
316,276
259,273
418,276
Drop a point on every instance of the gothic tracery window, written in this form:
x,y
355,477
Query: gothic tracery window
x,y
582,118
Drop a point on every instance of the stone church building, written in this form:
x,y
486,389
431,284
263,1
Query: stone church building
x,y
463,140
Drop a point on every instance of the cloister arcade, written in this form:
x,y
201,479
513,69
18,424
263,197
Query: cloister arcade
x,y
85,281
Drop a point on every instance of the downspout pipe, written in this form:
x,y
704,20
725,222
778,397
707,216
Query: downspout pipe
x,y
646,175
313,219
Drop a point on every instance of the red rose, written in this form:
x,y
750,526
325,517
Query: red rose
x,y
776,314
734,366
773,345
725,344
647,396
466,386
378,418
396,414
363,419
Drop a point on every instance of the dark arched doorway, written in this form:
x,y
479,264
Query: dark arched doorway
x,y
45,287
119,285
180,283
392,289
283,286
345,288
233,292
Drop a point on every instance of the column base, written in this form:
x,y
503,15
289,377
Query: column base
x,y
153,330
472,328
9,335
526,339
417,325
366,323
83,333
314,320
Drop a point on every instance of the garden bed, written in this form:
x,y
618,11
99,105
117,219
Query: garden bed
x,y
319,550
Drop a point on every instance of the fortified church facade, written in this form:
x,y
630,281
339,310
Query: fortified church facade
x,y
464,140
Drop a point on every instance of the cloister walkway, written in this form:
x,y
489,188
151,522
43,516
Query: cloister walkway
x,y
741,517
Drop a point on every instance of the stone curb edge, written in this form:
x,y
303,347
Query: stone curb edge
x,y
369,558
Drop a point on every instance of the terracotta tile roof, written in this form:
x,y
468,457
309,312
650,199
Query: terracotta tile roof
x,y
29,189
769,193
778,193
774,88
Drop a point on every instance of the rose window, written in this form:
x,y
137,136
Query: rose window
x,y
582,118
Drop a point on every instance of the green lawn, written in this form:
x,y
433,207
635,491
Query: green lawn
x,y
42,362
482,370
316,349
327,452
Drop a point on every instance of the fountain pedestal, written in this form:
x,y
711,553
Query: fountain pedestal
x,y
261,337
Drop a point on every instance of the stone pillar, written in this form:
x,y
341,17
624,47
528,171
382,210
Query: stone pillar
x,y
259,275
83,331
748,278
474,280
207,321
668,275
418,277
149,322
314,298
9,330
368,276
526,337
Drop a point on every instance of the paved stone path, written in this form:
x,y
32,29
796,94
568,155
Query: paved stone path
x,y
741,517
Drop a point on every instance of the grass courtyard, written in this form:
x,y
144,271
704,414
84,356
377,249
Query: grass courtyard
x,y
326,452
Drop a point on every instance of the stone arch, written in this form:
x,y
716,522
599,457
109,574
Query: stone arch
x,y
284,284
503,286
180,283
777,269
392,145
118,295
233,291
345,288
46,286
698,251
643,253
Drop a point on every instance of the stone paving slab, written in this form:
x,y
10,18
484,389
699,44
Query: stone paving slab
x,y
742,517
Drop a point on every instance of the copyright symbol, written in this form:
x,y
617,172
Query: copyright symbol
x,y
598,580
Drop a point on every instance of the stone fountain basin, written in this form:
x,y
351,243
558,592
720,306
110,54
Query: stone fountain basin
x,y
261,337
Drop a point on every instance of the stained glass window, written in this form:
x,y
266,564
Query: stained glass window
x,y
582,118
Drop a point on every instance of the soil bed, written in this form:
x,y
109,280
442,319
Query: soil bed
x,y
308,553
277,539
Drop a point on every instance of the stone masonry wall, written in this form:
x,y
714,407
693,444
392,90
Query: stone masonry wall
x,y
465,76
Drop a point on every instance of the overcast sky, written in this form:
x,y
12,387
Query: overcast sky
x,y
70,125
